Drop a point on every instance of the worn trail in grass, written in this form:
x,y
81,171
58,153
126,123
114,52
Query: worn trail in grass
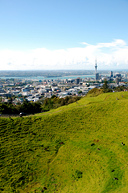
x,y
82,147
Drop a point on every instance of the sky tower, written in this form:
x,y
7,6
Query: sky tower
x,y
96,74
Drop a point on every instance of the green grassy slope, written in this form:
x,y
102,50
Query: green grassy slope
x,y
73,149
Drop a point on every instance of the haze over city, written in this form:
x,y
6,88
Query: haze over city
x,y
53,34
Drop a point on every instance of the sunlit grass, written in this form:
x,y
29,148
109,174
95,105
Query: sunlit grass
x,y
81,147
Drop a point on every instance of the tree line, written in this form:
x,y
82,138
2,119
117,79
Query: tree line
x,y
37,107
105,89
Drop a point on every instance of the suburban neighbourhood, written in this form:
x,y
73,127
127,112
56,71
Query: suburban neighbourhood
x,y
17,90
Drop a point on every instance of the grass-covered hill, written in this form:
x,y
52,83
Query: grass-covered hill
x,y
78,148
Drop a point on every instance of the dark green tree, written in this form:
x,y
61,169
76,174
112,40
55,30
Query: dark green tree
x,y
106,87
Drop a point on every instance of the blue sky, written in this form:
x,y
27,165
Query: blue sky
x,y
69,34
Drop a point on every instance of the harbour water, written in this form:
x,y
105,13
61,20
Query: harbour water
x,y
49,78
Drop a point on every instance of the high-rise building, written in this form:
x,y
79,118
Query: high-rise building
x,y
97,76
118,78
111,74
95,66
78,80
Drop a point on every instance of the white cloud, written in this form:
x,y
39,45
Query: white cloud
x,y
109,55
85,43
116,43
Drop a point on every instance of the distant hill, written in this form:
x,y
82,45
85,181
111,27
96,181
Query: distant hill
x,y
78,148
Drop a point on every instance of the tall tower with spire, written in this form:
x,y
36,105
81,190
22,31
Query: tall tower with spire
x,y
96,74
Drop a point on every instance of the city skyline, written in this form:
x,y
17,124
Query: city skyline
x,y
55,35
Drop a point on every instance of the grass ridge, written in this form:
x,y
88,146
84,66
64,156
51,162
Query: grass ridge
x,y
81,147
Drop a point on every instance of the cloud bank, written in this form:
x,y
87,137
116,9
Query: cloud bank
x,y
112,55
